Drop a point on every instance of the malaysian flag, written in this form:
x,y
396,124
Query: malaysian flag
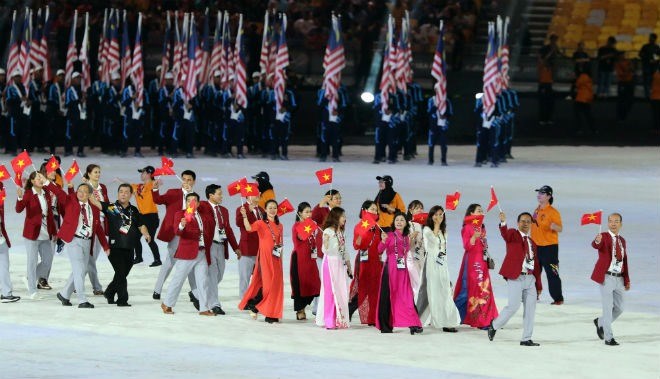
x,y
25,55
190,84
125,54
224,57
71,52
178,47
333,62
281,63
504,55
438,72
165,57
387,77
490,73
44,47
401,61
37,54
12,58
86,81
184,48
265,43
113,45
241,87
206,50
199,55
272,54
137,70
103,46
498,47
216,54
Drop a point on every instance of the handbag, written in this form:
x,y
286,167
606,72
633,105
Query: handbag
x,y
489,261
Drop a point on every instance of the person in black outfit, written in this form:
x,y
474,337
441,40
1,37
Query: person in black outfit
x,y
124,228
606,59
649,55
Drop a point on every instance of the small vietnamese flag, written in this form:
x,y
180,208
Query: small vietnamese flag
x,y
72,171
451,201
591,218
166,162
493,199
52,165
284,207
234,188
420,218
21,161
474,220
190,210
4,174
249,189
3,195
367,222
18,179
324,176
164,171
306,228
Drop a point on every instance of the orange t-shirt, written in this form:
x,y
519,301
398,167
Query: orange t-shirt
x,y
624,71
585,89
545,74
144,198
542,235
655,87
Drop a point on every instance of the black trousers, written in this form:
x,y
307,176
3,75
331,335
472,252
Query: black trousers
x,y
74,135
279,137
188,130
655,106
393,142
549,258
625,100
122,262
236,134
380,141
384,304
329,138
151,222
299,302
438,136
131,134
546,102
583,116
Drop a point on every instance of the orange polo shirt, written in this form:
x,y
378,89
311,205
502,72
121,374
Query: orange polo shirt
x,y
585,89
542,235
655,87
144,198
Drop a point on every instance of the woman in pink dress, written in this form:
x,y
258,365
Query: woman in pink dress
x,y
473,294
396,304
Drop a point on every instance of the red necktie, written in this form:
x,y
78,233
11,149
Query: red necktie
x,y
617,249
221,221
526,248
83,212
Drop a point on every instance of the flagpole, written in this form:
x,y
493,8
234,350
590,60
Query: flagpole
x,y
600,224
333,179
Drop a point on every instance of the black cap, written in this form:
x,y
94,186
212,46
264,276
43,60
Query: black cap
x,y
386,178
263,175
545,189
148,170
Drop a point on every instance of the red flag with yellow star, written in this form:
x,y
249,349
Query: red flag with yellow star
x,y
420,218
4,173
493,199
324,176
284,207
190,210
592,218
451,201
306,228
249,189
234,188
21,161
166,162
474,220
52,165
72,171
164,171
3,195
367,222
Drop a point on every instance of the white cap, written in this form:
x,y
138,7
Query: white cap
x,y
169,75
158,68
37,68
2,71
17,72
75,74
115,75
256,74
217,73
60,72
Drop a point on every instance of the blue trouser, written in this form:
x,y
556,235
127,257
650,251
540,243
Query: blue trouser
x,y
438,136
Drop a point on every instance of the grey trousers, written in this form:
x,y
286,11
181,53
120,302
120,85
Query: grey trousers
x,y
5,280
611,292
216,272
34,249
91,268
78,252
520,289
245,268
167,265
182,268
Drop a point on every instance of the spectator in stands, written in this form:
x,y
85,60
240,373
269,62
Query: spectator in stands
x,y
546,64
583,99
649,55
581,59
655,100
606,59
625,77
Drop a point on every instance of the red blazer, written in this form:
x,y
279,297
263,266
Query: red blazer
x,y
189,237
605,259
72,214
2,220
515,256
249,242
173,201
33,214
206,208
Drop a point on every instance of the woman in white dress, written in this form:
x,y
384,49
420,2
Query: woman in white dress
x,y
415,257
435,302
332,310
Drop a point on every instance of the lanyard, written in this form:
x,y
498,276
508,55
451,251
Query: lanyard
x,y
273,234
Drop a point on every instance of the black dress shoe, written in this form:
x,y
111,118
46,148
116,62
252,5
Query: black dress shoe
x,y
218,311
43,284
192,297
271,320
155,296
491,332
416,329
155,264
9,299
64,301
599,330
137,261
123,305
109,297
529,343
450,330
85,305
611,342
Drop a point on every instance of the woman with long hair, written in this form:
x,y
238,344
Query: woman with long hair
x,y
265,294
304,273
333,303
473,294
435,302
92,176
415,256
388,201
368,267
396,305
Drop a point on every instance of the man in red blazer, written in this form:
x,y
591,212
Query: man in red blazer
x,y
174,200
6,295
81,224
249,242
223,236
611,273
522,271
193,254
38,230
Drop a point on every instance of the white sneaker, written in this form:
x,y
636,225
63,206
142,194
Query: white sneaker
x,y
26,283
34,296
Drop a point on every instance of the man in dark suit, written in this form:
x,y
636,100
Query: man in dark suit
x,y
522,272
193,254
249,242
81,224
611,273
